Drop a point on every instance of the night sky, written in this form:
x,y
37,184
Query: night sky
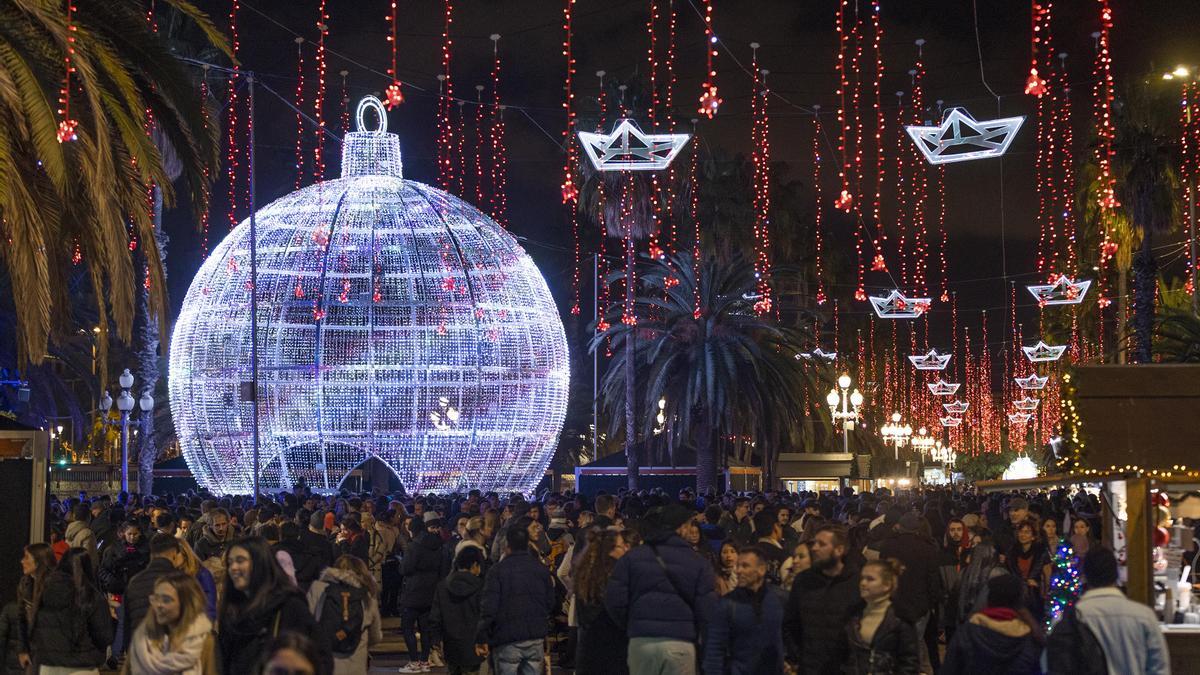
x,y
798,47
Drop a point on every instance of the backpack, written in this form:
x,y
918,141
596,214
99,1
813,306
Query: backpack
x,y
340,616
1072,648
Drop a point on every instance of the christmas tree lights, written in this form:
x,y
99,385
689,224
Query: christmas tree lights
x,y
1066,585
435,344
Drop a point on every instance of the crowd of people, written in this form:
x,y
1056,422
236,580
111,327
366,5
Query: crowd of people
x,y
927,581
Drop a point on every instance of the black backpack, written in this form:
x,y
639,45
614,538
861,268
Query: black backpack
x,y
1073,649
340,617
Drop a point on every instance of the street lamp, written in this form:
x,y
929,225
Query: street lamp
x,y
850,401
125,403
923,441
896,434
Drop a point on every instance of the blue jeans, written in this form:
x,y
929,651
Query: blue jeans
x,y
518,658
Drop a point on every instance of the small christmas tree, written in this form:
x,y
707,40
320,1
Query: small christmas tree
x,y
1065,585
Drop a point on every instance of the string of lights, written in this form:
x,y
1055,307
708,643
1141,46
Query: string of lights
x,y
66,123
299,102
710,100
761,157
445,130
319,97
499,201
394,94
818,216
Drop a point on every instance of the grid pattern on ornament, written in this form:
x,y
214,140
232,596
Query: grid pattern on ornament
x,y
395,321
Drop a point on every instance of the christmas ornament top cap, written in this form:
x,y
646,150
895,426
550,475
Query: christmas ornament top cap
x,y
372,152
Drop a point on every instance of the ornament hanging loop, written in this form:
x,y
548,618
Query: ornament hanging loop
x,y
360,116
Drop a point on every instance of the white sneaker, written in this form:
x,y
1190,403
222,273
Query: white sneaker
x,y
413,667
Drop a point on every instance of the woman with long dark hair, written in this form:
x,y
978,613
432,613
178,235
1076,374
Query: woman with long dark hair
x,y
72,627
602,644
36,564
258,603
725,567
176,636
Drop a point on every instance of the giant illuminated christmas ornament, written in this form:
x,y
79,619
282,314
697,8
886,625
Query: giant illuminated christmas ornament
x,y
895,306
931,361
628,149
394,321
959,138
943,388
1043,352
1064,291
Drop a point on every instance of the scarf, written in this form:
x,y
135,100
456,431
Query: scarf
x,y
148,658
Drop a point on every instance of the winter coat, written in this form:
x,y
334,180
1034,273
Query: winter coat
x,y
602,648
745,635
79,535
357,546
992,646
382,545
243,637
892,650
209,545
741,531
65,635
817,610
137,593
119,563
454,618
372,632
714,536
920,588
190,656
518,598
1127,631
10,639
316,553
1038,558
209,585
422,568
647,603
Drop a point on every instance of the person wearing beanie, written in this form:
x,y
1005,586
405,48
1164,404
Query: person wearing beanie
x,y
1105,631
920,582
662,594
1000,640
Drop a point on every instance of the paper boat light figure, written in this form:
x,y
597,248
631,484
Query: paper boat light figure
x,y
818,354
950,421
1031,382
628,149
960,138
1019,417
1064,291
931,361
1043,352
957,407
895,306
943,388
1027,404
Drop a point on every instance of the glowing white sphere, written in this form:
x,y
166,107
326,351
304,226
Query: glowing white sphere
x,y
394,321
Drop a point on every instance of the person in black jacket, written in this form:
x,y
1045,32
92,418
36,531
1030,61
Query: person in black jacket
x,y
72,627
602,648
920,588
880,639
663,594
1027,559
514,612
123,558
258,604
165,557
454,617
821,601
747,625
10,640
422,568
317,551
996,641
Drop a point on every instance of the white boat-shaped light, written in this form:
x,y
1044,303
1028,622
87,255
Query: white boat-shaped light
x,y
943,388
1044,352
895,306
1026,404
1031,382
627,148
818,354
931,361
1019,417
1064,291
957,407
960,138
950,421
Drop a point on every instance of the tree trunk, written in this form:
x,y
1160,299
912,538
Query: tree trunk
x,y
1122,314
706,457
1145,270
147,363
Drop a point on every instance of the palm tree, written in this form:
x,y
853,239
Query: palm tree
x,y
1115,221
56,196
1177,329
1148,189
720,373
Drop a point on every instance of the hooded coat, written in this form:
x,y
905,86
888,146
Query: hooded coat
x,y
454,618
988,645
372,632
422,568
63,633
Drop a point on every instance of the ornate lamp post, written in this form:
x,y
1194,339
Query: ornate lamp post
x,y
849,402
923,442
125,403
896,434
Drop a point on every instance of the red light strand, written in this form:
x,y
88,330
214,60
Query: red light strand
x,y
762,190
299,101
499,202
394,94
710,101
445,143
204,215
319,99
818,225
66,124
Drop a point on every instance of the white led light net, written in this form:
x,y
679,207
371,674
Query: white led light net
x,y
394,321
